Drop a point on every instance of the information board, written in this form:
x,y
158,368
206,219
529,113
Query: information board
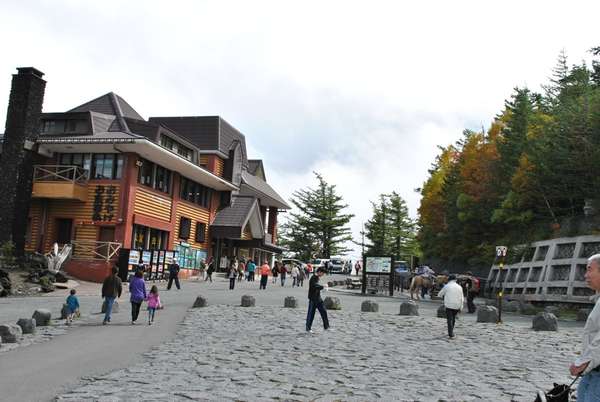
x,y
378,265
134,257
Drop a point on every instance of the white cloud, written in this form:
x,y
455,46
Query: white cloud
x,y
362,92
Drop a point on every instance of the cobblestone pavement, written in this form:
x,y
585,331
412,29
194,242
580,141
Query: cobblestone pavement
x,y
226,352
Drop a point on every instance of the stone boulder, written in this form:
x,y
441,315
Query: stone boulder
x,y
27,325
42,317
46,284
248,301
582,314
441,312
200,302
5,283
410,308
10,333
332,303
487,314
61,277
512,306
290,302
369,306
545,322
552,310
115,307
528,309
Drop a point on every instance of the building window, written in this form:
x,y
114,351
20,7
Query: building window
x,y
81,160
172,145
155,176
185,225
146,238
107,166
200,232
196,193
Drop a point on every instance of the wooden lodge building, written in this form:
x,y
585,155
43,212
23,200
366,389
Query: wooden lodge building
x,y
123,189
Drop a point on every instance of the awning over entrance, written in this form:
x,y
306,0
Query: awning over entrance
x,y
230,222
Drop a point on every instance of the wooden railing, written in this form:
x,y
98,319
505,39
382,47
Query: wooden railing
x,y
62,173
89,249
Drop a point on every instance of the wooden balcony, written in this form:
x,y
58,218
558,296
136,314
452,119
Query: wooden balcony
x,y
90,250
60,182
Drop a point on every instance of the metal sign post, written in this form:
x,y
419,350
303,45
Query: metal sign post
x,y
500,253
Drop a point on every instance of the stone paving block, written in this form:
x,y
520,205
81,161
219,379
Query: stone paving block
x,y
409,308
42,317
290,302
115,307
545,322
369,306
487,314
10,333
27,325
248,301
332,303
200,302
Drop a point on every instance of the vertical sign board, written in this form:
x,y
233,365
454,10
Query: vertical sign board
x,y
377,273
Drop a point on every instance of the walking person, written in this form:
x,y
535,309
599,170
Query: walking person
x,y
251,267
173,275
587,363
111,290
300,278
153,304
452,293
282,273
315,302
295,273
232,274
241,270
472,285
210,268
275,271
137,289
265,270
72,306
357,267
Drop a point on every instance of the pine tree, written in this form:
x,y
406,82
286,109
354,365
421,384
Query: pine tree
x,y
319,227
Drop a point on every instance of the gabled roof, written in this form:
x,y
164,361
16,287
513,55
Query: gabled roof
x,y
252,185
111,104
230,221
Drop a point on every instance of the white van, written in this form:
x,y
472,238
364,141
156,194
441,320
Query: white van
x,y
319,263
336,265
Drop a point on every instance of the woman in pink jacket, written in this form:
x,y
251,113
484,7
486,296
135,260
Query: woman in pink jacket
x,y
153,303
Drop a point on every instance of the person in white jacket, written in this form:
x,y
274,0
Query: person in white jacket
x,y
453,301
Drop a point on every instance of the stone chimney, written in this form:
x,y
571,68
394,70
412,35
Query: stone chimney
x,y
16,162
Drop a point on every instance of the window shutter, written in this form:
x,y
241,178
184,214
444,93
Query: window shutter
x,y
185,225
200,232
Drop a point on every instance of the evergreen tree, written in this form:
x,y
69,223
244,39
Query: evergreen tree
x,y
319,227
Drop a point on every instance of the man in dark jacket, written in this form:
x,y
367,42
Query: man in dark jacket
x,y
173,275
111,289
315,302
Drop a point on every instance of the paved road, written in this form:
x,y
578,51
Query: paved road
x,y
228,352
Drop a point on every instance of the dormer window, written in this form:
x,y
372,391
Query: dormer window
x,y
172,145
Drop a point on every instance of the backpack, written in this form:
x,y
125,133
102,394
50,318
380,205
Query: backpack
x,y
474,284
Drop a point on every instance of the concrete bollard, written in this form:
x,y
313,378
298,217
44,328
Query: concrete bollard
x,y
290,302
487,314
200,302
332,303
42,317
410,308
10,333
27,325
544,322
248,301
369,306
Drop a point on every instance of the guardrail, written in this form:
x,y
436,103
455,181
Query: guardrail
x,y
62,173
89,249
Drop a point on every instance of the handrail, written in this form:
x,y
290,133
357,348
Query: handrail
x,y
84,249
68,173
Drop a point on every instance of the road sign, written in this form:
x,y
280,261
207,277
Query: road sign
x,y
501,251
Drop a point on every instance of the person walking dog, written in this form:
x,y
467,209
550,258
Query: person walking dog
x,y
452,293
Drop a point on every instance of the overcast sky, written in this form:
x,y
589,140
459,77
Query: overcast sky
x,y
362,92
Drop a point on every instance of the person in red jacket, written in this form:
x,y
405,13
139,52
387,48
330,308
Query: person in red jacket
x,y
265,270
